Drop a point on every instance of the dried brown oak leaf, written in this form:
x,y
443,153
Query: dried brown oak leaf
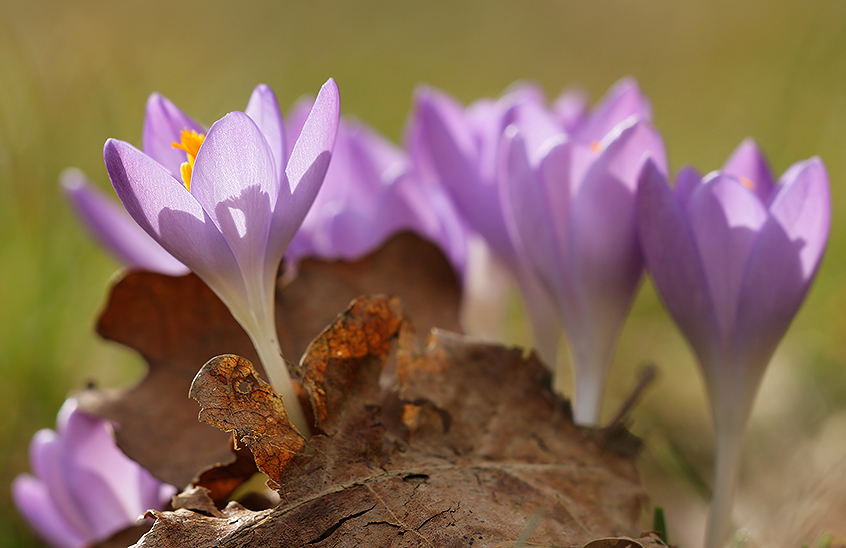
x,y
461,450
177,324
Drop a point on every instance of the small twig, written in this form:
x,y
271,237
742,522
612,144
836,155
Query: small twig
x,y
647,375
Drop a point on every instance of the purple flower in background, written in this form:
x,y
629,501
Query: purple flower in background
x,y
112,226
572,200
457,147
732,256
232,205
370,193
84,489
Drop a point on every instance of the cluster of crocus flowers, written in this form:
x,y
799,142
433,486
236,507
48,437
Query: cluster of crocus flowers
x,y
226,203
552,191
574,202
733,255
84,489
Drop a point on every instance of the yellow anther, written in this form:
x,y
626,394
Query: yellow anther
x,y
190,143
745,181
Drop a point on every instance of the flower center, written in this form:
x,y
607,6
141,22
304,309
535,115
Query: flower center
x,y
190,142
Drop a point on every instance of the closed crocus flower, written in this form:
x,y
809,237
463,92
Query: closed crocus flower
x,y
370,193
732,256
84,489
572,202
232,205
456,147
114,229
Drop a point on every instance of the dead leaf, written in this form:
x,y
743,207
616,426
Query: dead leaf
x,y
476,446
178,324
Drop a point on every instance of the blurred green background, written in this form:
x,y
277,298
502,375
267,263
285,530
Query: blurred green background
x,y
73,74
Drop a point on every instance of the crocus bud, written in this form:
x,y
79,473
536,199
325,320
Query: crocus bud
x,y
732,256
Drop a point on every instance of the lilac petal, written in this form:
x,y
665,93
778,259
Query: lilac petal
x,y
169,213
446,142
623,101
115,229
306,169
528,208
163,124
687,180
102,478
604,259
571,108
671,257
748,164
263,108
36,505
725,218
803,208
537,125
783,263
234,181
46,455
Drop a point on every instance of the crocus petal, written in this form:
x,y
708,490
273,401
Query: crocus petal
x,y
163,124
605,261
263,108
725,218
571,108
35,503
306,169
115,229
537,125
447,143
687,180
748,164
102,478
46,455
782,264
169,213
234,181
669,249
525,199
623,101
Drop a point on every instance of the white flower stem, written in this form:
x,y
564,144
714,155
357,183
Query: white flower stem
x,y
728,449
266,344
586,411
277,372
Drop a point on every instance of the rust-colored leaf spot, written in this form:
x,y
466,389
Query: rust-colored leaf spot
x,y
234,399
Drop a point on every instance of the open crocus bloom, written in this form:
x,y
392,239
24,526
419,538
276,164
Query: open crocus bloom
x,y
116,231
84,489
572,203
370,193
232,205
732,256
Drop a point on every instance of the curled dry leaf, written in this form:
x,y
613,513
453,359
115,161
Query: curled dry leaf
x,y
177,324
455,445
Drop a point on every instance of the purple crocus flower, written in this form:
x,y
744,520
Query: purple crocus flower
x,y
732,256
457,147
112,226
231,207
84,489
572,199
570,236
370,193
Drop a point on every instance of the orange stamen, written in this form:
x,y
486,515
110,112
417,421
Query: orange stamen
x,y
190,142
745,181
596,146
